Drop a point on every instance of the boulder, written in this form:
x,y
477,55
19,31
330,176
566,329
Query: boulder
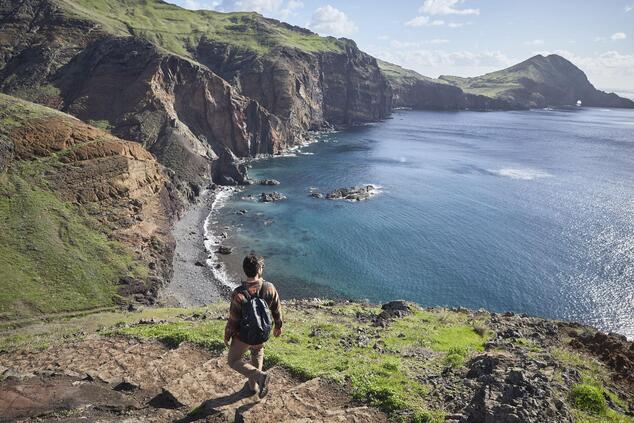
x,y
269,197
225,250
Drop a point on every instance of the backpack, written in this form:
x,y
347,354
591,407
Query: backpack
x,y
256,322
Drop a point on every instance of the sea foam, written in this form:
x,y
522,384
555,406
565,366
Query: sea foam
x,y
524,174
212,241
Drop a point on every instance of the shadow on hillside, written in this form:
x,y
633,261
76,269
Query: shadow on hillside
x,y
211,406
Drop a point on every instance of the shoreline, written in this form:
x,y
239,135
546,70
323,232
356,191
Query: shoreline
x,y
194,281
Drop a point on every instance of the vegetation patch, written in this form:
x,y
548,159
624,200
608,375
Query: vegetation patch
x,y
333,343
591,399
180,30
51,258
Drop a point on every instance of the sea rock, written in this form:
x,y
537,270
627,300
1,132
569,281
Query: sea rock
x,y
269,182
317,195
359,193
224,250
269,197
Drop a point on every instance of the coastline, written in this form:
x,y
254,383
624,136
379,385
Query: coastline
x,y
195,282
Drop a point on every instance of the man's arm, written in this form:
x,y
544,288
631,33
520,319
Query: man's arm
x,y
235,314
276,308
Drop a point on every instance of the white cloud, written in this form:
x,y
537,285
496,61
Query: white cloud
x,y
438,41
618,36
277,8
434,62
200,5
534,43
260,6
331,21
419,21
445,7
629,8
455,24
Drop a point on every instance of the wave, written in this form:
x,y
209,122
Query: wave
x,y
212,241
524,174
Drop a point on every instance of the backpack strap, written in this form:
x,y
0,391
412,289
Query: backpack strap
x,y
245,291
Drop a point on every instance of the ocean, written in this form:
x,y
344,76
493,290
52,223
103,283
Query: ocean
x,y
529,211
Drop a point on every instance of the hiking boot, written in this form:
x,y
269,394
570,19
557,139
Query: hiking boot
x,y
264,384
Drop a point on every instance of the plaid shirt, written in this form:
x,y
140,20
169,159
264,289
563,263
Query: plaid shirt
x,y
268,294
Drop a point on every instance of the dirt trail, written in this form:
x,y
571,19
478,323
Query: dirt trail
x,y
125,380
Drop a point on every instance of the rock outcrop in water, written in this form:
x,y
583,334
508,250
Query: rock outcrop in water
x,y
351,194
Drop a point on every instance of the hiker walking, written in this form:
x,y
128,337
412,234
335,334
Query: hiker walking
x,y
255,306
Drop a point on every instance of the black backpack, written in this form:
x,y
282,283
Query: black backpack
x,y
256,322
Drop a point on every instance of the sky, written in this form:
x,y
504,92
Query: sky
x,y
469,37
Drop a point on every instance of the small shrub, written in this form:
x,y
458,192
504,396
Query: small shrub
x,y
428,417
456,356
480,329
588,398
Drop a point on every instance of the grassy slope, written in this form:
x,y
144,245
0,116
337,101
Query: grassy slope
x,y
178,30
496,84
337,341
53,258
404,76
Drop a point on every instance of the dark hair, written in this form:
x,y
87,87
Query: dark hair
x,y
252,264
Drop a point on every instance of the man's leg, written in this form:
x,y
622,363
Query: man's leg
x,y
257,356
236,352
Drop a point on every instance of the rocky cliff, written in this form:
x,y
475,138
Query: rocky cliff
x,y
85,216
101,62
309,90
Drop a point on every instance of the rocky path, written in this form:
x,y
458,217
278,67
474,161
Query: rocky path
x,y
125,380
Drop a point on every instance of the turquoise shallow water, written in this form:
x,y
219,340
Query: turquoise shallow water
x,y
525,211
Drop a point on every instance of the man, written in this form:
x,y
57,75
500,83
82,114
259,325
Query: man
x,y
253,267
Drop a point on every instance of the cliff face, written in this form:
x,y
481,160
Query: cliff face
x,y
355,90
88,215
178,109
308,90
171,94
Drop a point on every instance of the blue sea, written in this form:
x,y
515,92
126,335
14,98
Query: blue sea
x,y
529,211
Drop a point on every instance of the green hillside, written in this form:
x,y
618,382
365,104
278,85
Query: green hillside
x,y
551,70
400,75
53,256
180,30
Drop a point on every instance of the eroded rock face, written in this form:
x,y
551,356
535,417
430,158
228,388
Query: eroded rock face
x,y
306,90
117,182
193,120
181,111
